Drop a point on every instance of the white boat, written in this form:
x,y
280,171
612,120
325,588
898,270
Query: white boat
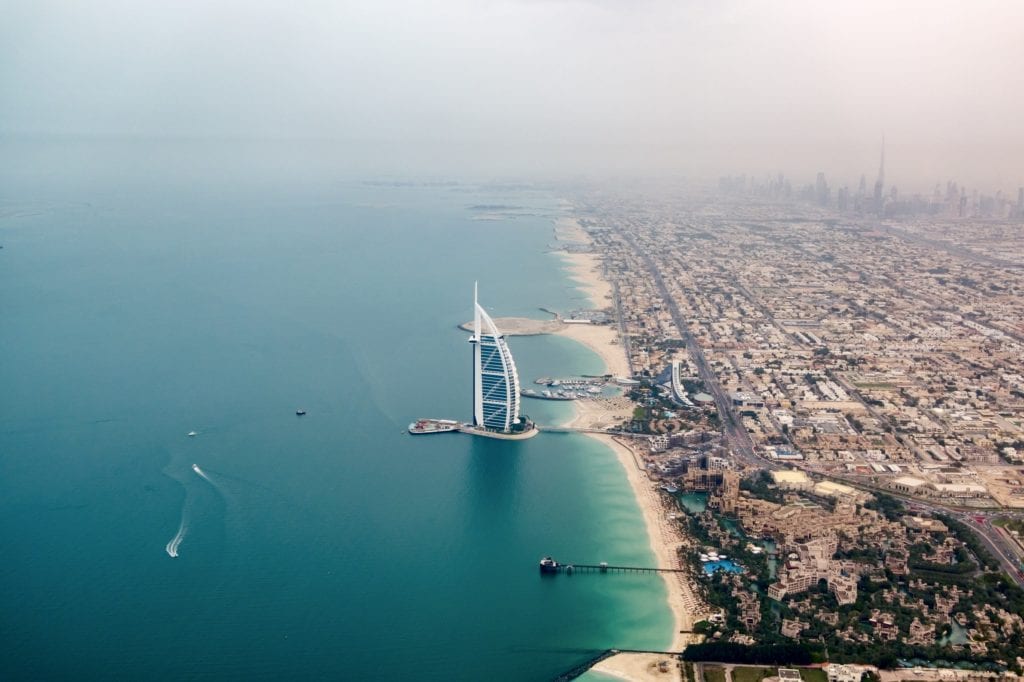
x,y
195,468
704,557
192,434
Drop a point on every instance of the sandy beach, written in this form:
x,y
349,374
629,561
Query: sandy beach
x,y
603,340
599,413
584,268
665,540
629,666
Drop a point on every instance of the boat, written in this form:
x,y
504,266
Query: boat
x,y
426,426
192,434
549,565
300,412
704,557
195,468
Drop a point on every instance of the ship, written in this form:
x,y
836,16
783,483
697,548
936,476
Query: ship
x,y
549,565
425,426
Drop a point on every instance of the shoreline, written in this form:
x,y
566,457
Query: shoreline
x,y
664,539
663,536
585,269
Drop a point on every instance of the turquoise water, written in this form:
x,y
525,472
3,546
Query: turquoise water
x,y
333,545
726,565
693,502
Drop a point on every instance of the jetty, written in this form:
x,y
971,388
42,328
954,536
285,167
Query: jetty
x,y
549,566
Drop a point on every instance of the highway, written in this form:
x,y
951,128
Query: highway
x,y
995,544
736,435
984,531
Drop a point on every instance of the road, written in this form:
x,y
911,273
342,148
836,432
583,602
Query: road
x,y
984,531
736,435
995,544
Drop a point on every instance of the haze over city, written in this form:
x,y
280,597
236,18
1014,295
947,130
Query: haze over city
x,y
666,341
557,88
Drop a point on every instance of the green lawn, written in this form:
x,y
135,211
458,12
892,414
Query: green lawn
x,y
813,675
712,673
1011,524
752,674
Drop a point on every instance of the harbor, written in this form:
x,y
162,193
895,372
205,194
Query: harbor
x,y
572,388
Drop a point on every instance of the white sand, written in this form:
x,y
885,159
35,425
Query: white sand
x,y
603,340
585,269
665,538
664,534
639,667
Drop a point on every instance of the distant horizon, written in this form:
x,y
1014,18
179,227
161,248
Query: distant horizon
x,y
392,161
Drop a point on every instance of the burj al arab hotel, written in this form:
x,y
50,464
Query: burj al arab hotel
x,y
495,382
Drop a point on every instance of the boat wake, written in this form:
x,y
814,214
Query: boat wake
x,y
172,546
195,468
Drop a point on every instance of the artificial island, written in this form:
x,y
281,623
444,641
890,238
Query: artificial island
x,y
496,394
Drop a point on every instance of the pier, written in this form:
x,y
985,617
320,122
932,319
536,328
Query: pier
x,y
550,566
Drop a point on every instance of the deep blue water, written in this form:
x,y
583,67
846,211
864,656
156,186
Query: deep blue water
x,y
334,545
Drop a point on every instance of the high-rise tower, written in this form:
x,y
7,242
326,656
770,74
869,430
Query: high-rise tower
x,y
495,380
880,182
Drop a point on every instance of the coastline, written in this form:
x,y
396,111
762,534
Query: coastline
x,y
663,536
585,269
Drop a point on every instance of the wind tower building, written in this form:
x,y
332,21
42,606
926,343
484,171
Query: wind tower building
x,y
495,382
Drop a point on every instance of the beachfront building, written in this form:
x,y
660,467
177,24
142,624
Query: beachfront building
x,y
495,380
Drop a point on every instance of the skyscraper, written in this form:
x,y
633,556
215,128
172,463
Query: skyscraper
x,y
880,183
495,380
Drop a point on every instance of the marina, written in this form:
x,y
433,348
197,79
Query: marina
x,y
572,388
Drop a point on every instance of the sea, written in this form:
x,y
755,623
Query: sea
x,y
148,291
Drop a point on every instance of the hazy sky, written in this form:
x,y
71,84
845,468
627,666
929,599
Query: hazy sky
x,y
544,85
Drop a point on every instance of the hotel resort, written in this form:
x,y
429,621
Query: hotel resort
x,y
495,388
495,382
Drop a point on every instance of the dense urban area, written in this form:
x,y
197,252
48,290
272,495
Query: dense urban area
x,y
828,388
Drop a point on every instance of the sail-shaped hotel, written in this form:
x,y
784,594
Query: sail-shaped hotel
x,y
495,382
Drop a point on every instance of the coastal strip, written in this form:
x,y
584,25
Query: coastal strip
x,y
664,535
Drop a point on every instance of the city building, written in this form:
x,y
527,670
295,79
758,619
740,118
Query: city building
x,y
495,380
843,673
